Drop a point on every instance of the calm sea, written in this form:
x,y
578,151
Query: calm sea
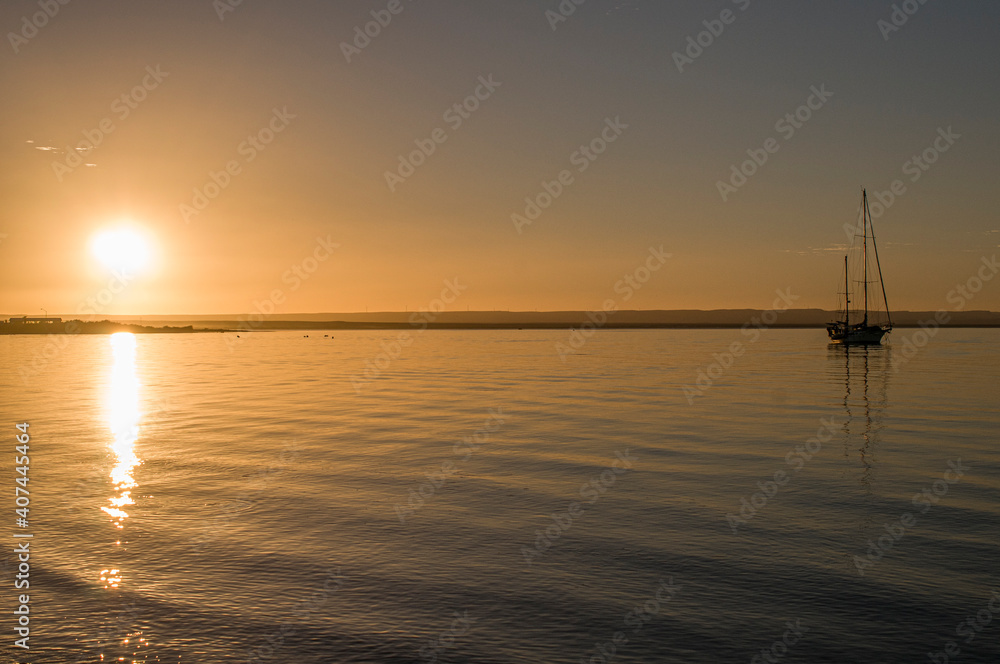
x,y
475,497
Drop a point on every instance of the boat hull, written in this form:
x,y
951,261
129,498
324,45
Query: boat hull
x,y
856,334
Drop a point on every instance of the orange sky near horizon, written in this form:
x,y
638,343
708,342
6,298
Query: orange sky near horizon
x,y
243,148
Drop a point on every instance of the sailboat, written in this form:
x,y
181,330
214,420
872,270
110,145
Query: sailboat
x,y
867,330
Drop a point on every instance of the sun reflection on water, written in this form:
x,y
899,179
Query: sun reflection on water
x,y
124,416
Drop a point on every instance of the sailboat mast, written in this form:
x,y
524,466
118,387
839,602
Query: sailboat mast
x,y
864,198
847,295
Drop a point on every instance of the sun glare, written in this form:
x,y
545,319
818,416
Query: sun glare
x,y
121,249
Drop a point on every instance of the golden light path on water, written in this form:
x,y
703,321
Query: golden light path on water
x,y
123,416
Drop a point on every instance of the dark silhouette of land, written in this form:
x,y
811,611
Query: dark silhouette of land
x,y
92,327
492,320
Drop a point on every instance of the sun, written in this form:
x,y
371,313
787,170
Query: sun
x,y
122,248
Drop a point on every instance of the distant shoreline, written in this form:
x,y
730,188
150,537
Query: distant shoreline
x,y
98,327
563,320
558,320
277,326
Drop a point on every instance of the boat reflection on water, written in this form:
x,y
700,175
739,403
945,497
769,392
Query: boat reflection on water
x,y
865,373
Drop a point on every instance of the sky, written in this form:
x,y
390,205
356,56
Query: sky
x,y
262,153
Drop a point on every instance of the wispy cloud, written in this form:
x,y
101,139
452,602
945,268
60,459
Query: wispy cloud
x,y
816,251
54,150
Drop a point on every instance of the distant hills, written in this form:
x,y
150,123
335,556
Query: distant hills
x,y
718,318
